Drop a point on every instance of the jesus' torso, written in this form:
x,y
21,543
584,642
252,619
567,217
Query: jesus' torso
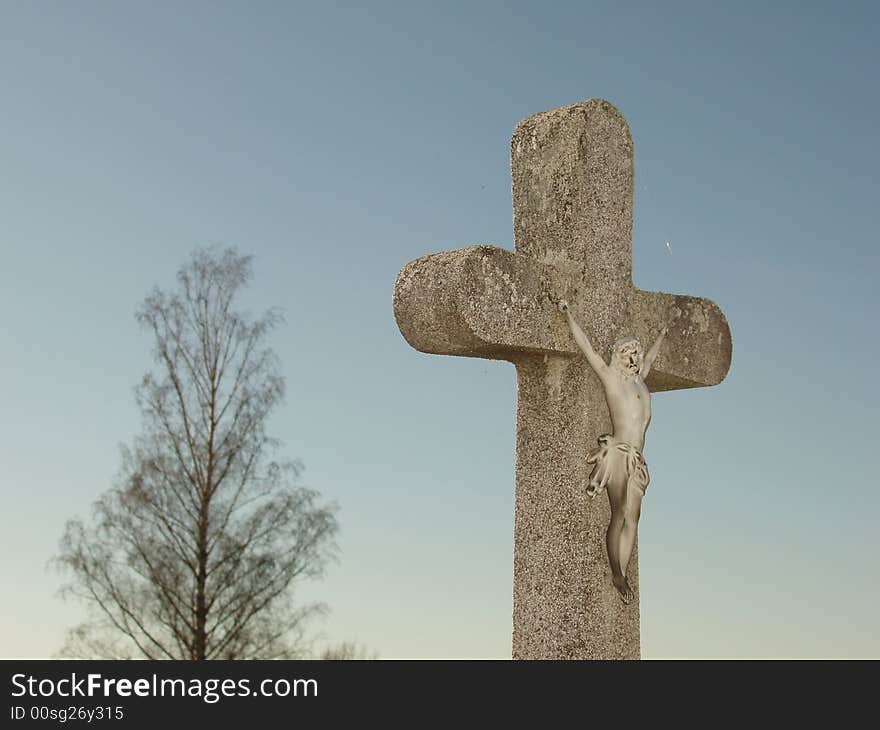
x,y
629,402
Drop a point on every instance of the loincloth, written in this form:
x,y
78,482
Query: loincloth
x,y
613,459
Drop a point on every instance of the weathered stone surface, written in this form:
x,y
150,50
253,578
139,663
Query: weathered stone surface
x,y
481,301
698,349
572,193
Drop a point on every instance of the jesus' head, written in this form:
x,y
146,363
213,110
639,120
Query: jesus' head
x,y
627,356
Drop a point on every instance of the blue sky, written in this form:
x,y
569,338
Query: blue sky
x,y
336,142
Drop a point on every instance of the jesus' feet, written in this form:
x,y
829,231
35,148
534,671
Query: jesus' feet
x,y
622,586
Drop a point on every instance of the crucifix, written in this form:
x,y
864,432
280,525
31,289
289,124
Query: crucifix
x,y
572,171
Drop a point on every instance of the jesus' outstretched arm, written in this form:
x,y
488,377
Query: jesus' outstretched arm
x,y
596,362
652,353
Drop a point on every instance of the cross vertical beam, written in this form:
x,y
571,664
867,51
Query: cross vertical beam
x,y
572,172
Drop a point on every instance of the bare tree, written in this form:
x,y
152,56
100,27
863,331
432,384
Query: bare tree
x,y
195,553
347,650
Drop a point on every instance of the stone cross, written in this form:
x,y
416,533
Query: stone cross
x,y
572,174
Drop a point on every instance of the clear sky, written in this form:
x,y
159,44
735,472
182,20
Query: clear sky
x,y
337,141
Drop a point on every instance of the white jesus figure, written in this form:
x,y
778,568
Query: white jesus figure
x,y
618,463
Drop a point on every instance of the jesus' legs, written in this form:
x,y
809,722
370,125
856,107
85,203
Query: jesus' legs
x,y
632,512
617,499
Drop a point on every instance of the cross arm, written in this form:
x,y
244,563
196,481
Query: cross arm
x,y
698,348
481,301
489,302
